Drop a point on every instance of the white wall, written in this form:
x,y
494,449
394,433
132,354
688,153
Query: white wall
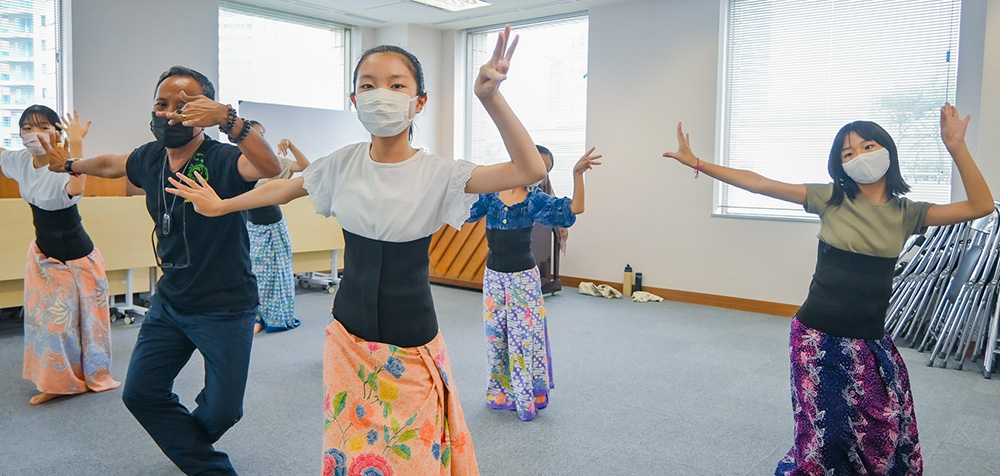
x,y
654,63
426,44
988,150
119,50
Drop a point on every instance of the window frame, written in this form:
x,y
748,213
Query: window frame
x,y
304,20
466,99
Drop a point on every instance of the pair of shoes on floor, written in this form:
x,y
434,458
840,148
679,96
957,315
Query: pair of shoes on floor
x,y
602,290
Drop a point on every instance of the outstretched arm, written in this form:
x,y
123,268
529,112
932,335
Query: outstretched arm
x,y
979,201
107,165
208,203
745,179
301,161
525,164
587,162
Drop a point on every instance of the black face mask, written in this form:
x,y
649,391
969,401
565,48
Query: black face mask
x,y
171,136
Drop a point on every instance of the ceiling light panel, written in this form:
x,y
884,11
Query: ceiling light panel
x,y
453,5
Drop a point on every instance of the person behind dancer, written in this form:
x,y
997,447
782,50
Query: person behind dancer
x,y
206,298
67,320
850,389
517,339
271,250
561,234
391,405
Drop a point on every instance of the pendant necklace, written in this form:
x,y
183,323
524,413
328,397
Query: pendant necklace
x,y
165,221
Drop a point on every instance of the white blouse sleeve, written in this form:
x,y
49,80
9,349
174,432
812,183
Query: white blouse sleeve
x,y
8,165
456,206
319,181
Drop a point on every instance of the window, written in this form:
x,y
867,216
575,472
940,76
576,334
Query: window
x,y
273,57
25,68
547,89
795,72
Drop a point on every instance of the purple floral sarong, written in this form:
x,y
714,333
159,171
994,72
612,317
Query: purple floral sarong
x,y
853,408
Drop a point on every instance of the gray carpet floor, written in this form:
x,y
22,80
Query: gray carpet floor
x,y
654,388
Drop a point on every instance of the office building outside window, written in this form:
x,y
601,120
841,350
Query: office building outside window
x,y
29,72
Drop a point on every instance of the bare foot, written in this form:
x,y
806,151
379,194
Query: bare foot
x,y
43,397
257,327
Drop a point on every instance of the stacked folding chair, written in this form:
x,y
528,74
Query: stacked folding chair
x,y
945,296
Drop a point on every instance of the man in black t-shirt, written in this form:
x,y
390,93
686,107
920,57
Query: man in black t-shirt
x,y
206,298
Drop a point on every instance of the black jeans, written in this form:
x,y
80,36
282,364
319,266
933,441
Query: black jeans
x,y
166,341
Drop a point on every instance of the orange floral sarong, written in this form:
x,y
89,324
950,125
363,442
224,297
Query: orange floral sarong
x,y
67,324
391,410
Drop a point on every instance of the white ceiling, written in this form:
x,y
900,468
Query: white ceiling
x,y
380,13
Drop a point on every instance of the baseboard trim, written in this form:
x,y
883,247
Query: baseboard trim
x,y
727,302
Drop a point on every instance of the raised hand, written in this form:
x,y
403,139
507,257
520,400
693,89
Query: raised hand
x,y
57,154
198,111
587,162
75,129
199,193
952,126
495,70
283,147
684,154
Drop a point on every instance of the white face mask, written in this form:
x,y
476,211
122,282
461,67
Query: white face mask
x,y
383,112
33,143
868,167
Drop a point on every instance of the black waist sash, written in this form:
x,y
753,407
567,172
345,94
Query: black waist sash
x,y
267,215
510,250
60,235
385,293
849,294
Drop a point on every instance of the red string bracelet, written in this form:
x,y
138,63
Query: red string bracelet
x,y
697,168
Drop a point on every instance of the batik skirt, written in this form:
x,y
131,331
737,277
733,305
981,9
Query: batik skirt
x,y
271,259
853,408
391,410
67,324
517,342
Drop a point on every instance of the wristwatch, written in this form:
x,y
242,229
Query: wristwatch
x,y
69,166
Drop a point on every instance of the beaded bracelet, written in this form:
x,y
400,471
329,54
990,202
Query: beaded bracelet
x,y
243,133
231,122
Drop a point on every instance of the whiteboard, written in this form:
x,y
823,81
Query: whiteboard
x,y
316,132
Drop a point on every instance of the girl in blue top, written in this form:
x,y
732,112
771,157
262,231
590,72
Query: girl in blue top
x,y
517,344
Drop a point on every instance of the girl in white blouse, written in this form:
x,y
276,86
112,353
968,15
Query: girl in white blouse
x,y
67,324
385,364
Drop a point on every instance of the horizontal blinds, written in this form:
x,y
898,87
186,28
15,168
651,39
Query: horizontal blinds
x,y
795,71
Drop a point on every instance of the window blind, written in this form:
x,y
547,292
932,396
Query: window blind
x,y
795,71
